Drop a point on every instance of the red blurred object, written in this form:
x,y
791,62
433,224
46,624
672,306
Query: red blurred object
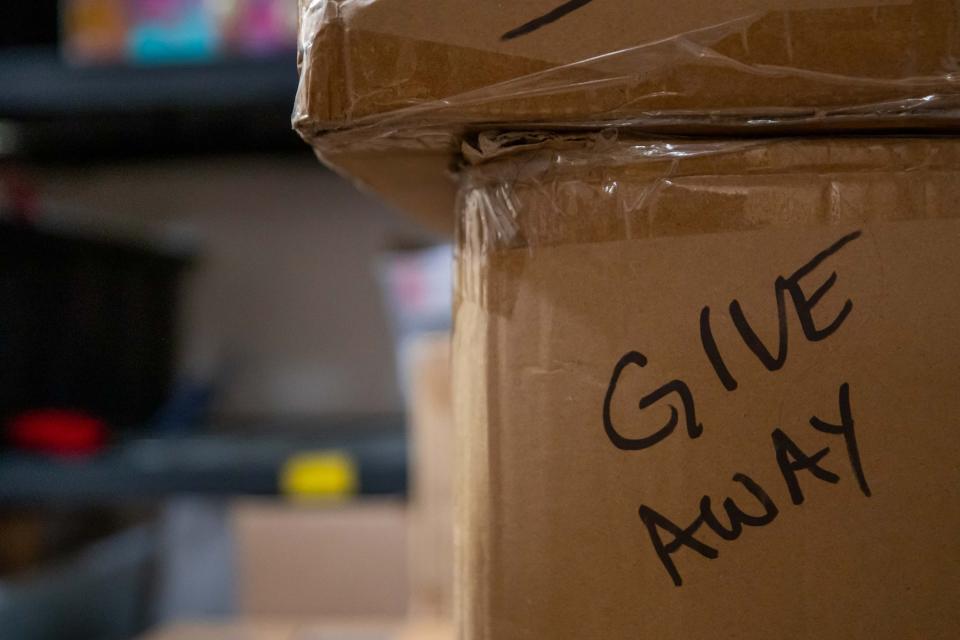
x,y
58,431
21,197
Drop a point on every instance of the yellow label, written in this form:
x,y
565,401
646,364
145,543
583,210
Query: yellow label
x,y
323,474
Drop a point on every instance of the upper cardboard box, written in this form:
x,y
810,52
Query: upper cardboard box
x,y
390,88
405,62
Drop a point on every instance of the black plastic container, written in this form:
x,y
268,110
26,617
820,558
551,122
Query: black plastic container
x,y
86,323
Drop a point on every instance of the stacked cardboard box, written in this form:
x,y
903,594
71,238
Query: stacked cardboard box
x,y
703,386
418,62
391,88
707,391
270,629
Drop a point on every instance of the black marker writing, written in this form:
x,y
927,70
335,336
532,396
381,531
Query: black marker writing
x,y
666,536
791,459
736,516
686,537
845,428
541,21
753,341
713,353
806,305
694,428
803,304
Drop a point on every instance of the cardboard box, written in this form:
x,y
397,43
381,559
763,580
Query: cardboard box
x,y
325,560
543,61
431,510
390,89
709,390
272,629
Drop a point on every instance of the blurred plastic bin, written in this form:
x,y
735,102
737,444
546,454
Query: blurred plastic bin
x,y
100,594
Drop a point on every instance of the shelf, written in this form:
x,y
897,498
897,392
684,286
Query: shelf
x,y
215,465
37,83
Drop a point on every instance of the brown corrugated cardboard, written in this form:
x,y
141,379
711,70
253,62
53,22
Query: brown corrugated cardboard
x,y
420,183
341,560
235,630
272,629
390,88
708,391
432,476
466,62
427,629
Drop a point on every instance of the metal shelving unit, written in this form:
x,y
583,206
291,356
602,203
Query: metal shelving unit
x,y
222,465
53,110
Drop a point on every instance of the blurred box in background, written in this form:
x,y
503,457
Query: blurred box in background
x,y
372,559
332,630
323,560
432,449
320,572
418,286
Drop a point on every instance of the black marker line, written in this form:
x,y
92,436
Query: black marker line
x,y
551,16
823,255
753,341
713,352
845,428
791,458
694,428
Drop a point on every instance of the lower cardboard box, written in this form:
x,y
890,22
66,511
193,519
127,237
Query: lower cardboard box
x,y
709,390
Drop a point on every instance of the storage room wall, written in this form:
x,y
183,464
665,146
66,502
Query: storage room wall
x,y
284,297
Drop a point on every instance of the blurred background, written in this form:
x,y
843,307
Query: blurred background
x,y
223,384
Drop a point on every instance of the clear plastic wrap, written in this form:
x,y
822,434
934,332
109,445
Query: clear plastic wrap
x,y
537,190
388,69
706,389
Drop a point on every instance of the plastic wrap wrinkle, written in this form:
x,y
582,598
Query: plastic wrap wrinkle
x,y
538,198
